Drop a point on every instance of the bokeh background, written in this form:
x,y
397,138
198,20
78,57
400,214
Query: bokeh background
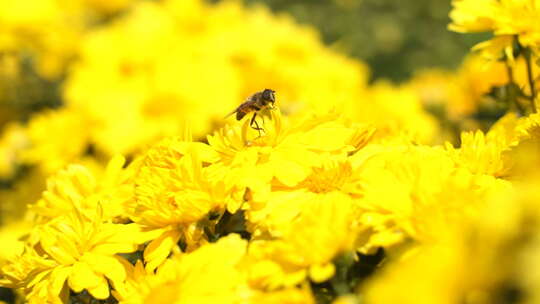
x,y
396,38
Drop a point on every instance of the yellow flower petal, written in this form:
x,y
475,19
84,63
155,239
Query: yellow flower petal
x,y
106,265
157,251
82,276
58,278
101,290
321,273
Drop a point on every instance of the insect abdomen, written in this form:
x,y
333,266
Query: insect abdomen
x,y
240,115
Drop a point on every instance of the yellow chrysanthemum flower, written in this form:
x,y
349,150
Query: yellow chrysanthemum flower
x,y
79,187
174,189
520,18
479,259
49,31
213,272
493,153
139,282
56,138
298,176
286,153
482,154
42,27
505,18
11,236
458,94
35,276
425,183
76,248
13,140
322,230
209,274
473,16
274,217
528,127
395,111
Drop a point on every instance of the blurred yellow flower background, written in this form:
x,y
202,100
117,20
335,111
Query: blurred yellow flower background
x,y
128,184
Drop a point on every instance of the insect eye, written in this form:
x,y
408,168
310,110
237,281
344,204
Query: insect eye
x,y
268,95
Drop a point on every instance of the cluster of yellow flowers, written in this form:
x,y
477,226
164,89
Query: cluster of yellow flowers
x,y
137,190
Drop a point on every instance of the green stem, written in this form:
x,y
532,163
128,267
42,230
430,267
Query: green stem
x,y
511,90
339,281
528,55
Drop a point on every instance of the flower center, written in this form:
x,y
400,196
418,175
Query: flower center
x,y
328,178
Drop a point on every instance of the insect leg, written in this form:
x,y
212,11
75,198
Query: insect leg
x,y
253,121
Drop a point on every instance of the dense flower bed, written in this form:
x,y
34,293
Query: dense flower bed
x,y
136,189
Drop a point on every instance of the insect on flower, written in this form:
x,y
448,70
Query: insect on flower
x,y
255,103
